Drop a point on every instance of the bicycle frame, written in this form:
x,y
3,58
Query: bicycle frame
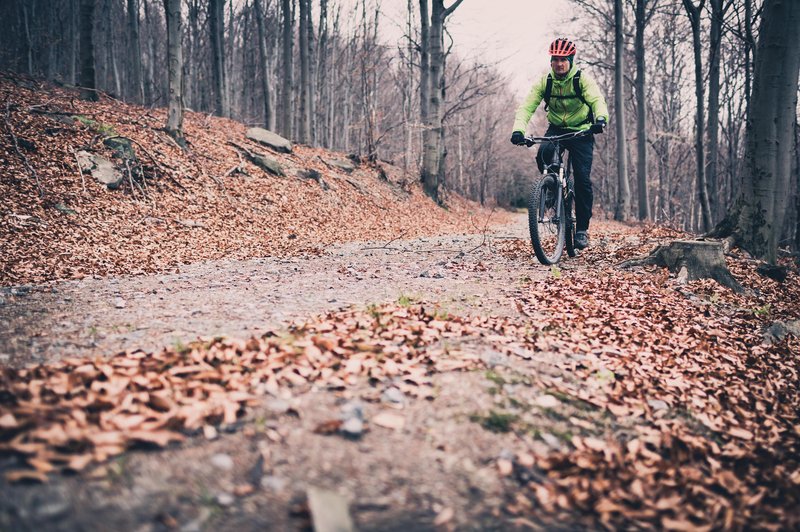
x,y
556,214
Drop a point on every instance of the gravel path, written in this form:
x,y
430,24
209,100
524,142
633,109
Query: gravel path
x,y
244,298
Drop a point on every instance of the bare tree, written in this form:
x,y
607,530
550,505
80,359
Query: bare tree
x,y
433,133
714,52
623,205
643,16
87,50
305,73
172,10
286,90
216,26
694,13
269,118
756,219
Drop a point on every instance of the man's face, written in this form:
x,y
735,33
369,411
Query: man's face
x,y
560,65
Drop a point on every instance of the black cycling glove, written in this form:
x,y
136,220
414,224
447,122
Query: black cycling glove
x,y
599,126
517,138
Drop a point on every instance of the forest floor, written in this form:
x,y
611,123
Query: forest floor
x,y
392,363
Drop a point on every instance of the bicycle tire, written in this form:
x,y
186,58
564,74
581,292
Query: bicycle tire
x,y
547,229
569,211
569,229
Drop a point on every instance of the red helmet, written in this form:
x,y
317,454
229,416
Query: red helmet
x,y
562,48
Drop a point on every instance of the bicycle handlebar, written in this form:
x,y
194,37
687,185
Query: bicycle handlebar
x,y
530,141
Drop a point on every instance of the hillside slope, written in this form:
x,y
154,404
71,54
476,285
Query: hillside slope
x,y
177,207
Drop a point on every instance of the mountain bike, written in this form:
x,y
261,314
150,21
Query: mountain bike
x,y
551,204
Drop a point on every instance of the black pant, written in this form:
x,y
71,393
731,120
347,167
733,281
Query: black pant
x,y
581,151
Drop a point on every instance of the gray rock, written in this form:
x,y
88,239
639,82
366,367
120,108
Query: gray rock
x,y
780,330
265,163
658,404
54,509
329,511
222,461
278,406
353,427
269,139
100,168
551,440
225,499
352,416
122,147
119,302
272,483
393,395
344,165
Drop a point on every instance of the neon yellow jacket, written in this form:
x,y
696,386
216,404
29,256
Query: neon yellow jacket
x,y
567,113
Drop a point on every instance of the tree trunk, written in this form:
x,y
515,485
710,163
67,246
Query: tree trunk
x,y
424,62
87,50
269,119
172,9
757,217
714,53
641,113
433,132
796,173
305,77
216,25
26,16
623,205
286,91
135,53
694,14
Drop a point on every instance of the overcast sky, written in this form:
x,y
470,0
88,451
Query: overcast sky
x,y
514,33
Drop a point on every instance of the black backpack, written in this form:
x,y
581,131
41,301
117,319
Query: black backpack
x,y
576,85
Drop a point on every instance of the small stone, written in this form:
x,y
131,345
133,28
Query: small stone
x,y
278,406
438,275
389,420
222,461
353,427
425,274
505,467
225,499
658,404
547,401
551,440
119,302
210,432
393,395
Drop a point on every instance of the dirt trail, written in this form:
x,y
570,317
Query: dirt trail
x,y
441,460
244,298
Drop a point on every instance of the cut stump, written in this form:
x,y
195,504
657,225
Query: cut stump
x,y
691,260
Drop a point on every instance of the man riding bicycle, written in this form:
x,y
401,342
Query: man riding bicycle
x,y
573,103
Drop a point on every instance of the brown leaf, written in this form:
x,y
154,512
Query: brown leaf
x,y
26,475
328,427
161,438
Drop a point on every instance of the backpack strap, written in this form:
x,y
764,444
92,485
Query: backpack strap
x,y
576,87
548,90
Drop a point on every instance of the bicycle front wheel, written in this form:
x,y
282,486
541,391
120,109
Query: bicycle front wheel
x,y
546,220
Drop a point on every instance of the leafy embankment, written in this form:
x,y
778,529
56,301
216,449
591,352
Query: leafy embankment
x,y
173,206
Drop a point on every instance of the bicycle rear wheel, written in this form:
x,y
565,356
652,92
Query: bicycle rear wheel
x,y
546,220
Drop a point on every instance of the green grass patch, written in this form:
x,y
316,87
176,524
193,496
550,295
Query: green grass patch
x,y
495,421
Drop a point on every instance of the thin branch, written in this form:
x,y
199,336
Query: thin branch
x,y
19,152
80,170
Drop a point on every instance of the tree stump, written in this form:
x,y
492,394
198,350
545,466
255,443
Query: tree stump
x,y
691,260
